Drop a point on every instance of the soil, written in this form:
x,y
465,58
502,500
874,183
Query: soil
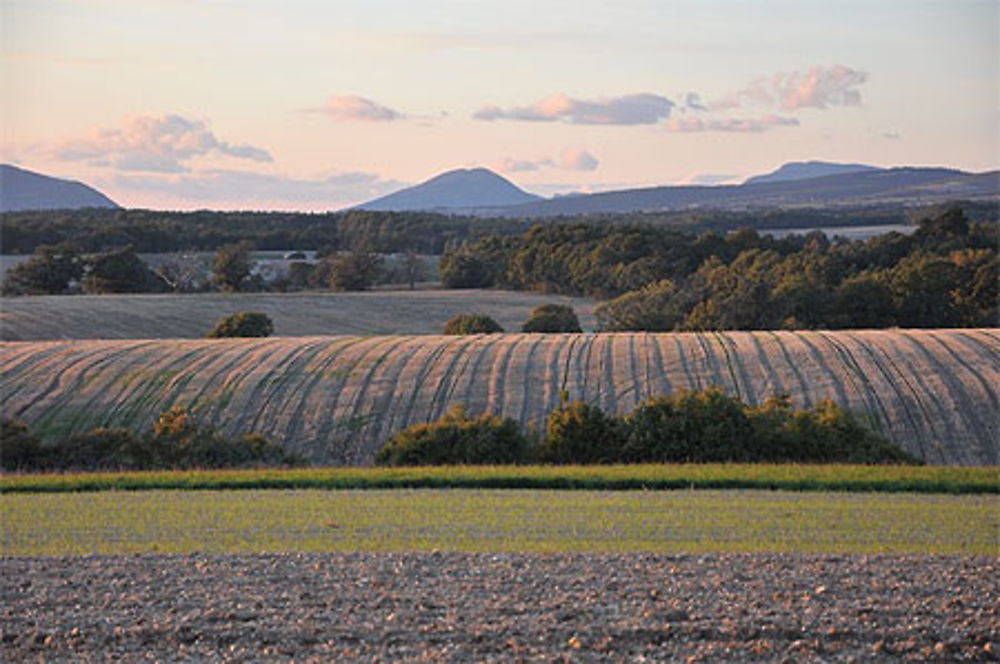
x,y
451,607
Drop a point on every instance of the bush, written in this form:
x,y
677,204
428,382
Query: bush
x,y
19,448
552,318
102,449
472,324
706,426
243,324
581,433
465,270
457,439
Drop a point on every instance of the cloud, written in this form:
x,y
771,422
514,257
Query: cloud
x,y
738,125
635,109
573,159
692,101
708,179
819,87
578,160
158,144
891,135
353,108
248,190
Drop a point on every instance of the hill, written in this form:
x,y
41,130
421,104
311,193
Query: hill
x,y
459,190
336,400
26,190
804,170
896,185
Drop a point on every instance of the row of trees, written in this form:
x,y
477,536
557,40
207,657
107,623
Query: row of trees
x,y
176,440
703,426
943,275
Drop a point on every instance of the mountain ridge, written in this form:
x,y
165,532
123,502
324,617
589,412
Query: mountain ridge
x,y
458,189
21,189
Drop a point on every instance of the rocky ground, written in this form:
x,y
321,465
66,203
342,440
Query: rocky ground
x,y
465,608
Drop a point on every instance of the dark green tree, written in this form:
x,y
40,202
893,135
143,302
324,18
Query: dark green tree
x,y
243,324
356,270
653,308
472,324
49,271
120,271
232,266
552,318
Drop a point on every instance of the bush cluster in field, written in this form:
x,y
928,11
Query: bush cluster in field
x,y
176,441
703,426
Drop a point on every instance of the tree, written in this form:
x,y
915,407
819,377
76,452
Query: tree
x,y
232,266
183,272
472,324
19,448
120,272
552,318
243,324
654,308
355,271
414,268
49,271
465,270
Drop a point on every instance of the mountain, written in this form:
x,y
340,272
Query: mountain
x,y
804,170
25,190
466,190
906,185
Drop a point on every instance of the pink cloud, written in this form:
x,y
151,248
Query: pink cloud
x,y
573,159
153,143
739,125
355,108
635,109
819,87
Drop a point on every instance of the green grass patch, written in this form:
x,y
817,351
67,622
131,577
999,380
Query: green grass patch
x,y
495,521
787,477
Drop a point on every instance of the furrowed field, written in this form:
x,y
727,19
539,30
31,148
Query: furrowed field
x,y
336,400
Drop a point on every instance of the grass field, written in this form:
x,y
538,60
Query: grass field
x,y
148,316
495,521
788,477
337,400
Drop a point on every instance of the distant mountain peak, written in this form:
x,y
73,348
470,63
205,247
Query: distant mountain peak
x,y
805,170
459,189
22,189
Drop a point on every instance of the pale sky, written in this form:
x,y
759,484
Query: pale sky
x,y
315,105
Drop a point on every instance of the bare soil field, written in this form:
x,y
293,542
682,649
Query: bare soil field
x,y
445,607
337,400
147,316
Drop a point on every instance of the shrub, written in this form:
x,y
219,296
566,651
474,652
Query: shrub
x,y
19,448
552,318
705,426
581,433
472,324
102,449
461,269
457,439
243,324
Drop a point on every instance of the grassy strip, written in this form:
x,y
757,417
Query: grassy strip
x,y
493,521
788,477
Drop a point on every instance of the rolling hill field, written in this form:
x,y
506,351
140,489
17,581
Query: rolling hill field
x,y
336,400
147,316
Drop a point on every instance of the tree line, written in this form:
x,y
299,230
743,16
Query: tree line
x,y
942,275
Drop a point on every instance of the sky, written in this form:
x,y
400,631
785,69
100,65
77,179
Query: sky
x,y
315,105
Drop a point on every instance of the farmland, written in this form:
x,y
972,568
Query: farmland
x,y
336,400
149,316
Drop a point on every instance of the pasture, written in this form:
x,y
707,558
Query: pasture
x,y
216,522
336,400
159,316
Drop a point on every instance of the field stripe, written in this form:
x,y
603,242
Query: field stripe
x,y
805,397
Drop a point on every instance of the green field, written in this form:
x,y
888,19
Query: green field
x,y
789,477
495,521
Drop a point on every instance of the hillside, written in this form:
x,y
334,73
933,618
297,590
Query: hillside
x,y
337,399
462,189
26,190
903,185
148,316
804,170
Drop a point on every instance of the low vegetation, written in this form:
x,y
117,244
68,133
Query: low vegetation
x,y
472,324
176,441
243,324
691,427
552,318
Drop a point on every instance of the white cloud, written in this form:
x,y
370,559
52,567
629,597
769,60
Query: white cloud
x,y
891,135
247,190
819,87
727,124
573,159
635,109
353,108
152,143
